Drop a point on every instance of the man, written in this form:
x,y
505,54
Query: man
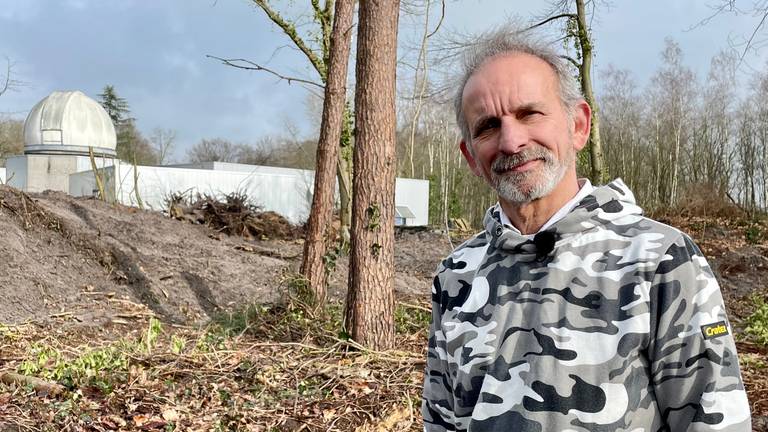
x,y
571,311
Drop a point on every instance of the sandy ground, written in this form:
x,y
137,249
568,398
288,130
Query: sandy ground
x,y
83,257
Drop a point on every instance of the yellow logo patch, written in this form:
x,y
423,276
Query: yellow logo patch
x,y
717,329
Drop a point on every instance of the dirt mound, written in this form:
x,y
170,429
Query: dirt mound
x,y
87,258
96,263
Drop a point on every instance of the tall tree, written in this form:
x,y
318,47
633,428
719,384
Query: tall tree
x,y
577,29
131,144
116,106
313,265
370,302
316,48
163,142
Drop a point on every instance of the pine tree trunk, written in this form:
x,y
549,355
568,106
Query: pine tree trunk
x,y
318,236
370,302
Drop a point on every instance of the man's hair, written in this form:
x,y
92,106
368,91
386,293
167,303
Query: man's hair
x,y
508,41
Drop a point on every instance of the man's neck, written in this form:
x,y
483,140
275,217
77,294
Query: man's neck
x,y
529,217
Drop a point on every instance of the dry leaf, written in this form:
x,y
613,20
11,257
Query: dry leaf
x,y
171,415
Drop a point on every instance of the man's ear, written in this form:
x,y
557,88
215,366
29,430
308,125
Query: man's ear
x,y
582,123
470,159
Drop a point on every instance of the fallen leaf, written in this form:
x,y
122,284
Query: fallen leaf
x,y
171,415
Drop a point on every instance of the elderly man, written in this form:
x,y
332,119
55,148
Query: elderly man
x,y
571,311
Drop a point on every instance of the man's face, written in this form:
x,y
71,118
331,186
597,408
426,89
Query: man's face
x,y
523,142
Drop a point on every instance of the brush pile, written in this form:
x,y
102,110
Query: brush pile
x,y
235,215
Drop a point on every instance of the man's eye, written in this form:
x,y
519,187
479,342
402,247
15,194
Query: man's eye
x,y
529,114
486,126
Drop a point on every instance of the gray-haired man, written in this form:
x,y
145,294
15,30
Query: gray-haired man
x,y
571,311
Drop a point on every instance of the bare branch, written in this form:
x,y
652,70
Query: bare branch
x,y
725,6
439,22
249,65
572,60
550,19
8,83
754,33
290,30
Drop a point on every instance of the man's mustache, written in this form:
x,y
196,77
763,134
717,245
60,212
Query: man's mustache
x,y
506,162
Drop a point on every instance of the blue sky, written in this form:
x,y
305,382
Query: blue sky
x,y
153,52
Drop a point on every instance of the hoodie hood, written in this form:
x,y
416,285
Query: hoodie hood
x,y
613,203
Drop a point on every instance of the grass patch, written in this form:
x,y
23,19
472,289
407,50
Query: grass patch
x,y
757,322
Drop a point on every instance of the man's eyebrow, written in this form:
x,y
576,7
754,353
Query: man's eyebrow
x,y
482,121
530,106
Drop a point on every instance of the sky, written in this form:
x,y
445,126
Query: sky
x,y
154,53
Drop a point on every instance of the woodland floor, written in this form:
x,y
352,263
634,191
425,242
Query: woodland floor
x,y
135,321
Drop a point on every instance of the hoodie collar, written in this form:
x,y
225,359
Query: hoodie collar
x,y
603,205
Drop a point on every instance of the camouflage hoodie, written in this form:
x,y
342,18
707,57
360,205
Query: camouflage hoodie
x,y
608,321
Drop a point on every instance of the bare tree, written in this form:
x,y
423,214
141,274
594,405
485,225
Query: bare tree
x,y
213,150
11,137
370,307
7,81
673,94
313,265
262,152
577,28
163,142
316,48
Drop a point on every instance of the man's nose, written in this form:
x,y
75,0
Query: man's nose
x,y
513,137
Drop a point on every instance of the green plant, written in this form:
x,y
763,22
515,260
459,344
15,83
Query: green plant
x,y
177,344
752,361
753,234
91,367
150,337
757,322
410,319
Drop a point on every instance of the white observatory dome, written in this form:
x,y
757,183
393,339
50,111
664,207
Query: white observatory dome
x,y
68,123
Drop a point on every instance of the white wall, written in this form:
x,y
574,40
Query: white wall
x,y
282,190
16,172
2,175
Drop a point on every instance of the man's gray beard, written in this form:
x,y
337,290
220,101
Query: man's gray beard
x,y
519,188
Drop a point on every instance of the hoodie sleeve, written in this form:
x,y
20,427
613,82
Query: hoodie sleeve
x,y
694,366
437,404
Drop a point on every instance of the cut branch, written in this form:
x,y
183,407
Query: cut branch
x,y
38,384
249,65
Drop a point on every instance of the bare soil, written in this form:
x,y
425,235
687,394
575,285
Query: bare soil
x,y
86,259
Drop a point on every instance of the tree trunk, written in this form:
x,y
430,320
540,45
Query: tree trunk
x,y
370,301
318,235
344,175
585,71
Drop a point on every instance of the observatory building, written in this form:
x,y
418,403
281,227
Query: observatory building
x,y
63,128
58,133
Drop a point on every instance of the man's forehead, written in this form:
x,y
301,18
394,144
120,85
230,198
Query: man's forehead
x,y
511,79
